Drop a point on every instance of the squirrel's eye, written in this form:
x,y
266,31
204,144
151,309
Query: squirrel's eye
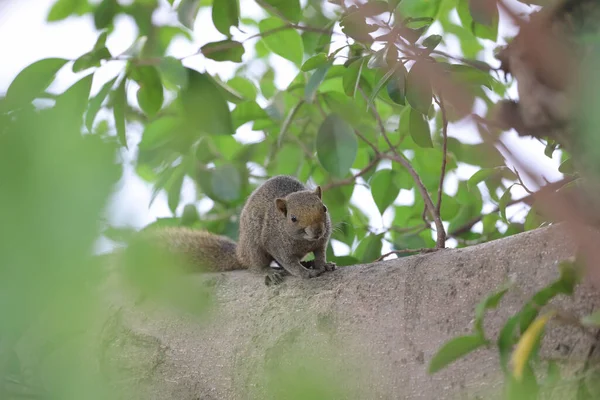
x,y
324,208
294,219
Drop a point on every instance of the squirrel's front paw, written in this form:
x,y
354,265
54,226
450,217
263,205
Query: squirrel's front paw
x,y
330,266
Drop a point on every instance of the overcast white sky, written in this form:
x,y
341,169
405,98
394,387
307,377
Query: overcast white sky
x,y
27,38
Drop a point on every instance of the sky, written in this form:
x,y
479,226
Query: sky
x,y
33,39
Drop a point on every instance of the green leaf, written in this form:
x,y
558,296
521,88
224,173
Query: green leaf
x,y
432,41
384,188
248,111
567,166
374,7
315,62
204,105
418,89
343,261
119,103
482,175
550,147
506,340
314,82
286,43
226,183
565,284
105,13
63,8
95,56
369,249
288,161
187,12
352,76
173,188
91,59
419,8
396,87
159,132
419,129
454,349
504,200
163,178
74,101
190,215
173,71
378,60
32,81
483,11
225,50
471,76
228,92
489,302
288,9
96,103
226,15
135,49
243,86
592,319
382,82
150,95
336,146
484,14
533,220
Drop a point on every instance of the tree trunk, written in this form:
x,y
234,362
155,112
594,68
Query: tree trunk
x,y
361,332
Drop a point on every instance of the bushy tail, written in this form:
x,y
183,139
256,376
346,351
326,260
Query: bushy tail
x,y
203,250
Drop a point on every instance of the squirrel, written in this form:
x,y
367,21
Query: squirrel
x,y
281,221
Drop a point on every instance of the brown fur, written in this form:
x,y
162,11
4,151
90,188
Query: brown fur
x,y
267,233
202,249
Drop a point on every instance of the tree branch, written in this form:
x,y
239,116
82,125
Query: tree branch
x,y
399,157
529,199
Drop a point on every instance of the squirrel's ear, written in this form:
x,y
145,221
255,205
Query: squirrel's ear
x,y
281,205
318,191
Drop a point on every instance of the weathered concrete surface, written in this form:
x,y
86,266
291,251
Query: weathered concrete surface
x,y
373,328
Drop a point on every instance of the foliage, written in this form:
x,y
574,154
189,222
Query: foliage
x,y
519,353
359,98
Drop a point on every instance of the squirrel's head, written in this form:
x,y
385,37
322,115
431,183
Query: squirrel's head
x,y
305,214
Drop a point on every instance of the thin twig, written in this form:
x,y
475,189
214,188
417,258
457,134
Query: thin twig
x,y
351,179
367,141
399,157
441,239
290,26
151,61
288,120
424,215
377,118
422,190
411,229
527,200
521,182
